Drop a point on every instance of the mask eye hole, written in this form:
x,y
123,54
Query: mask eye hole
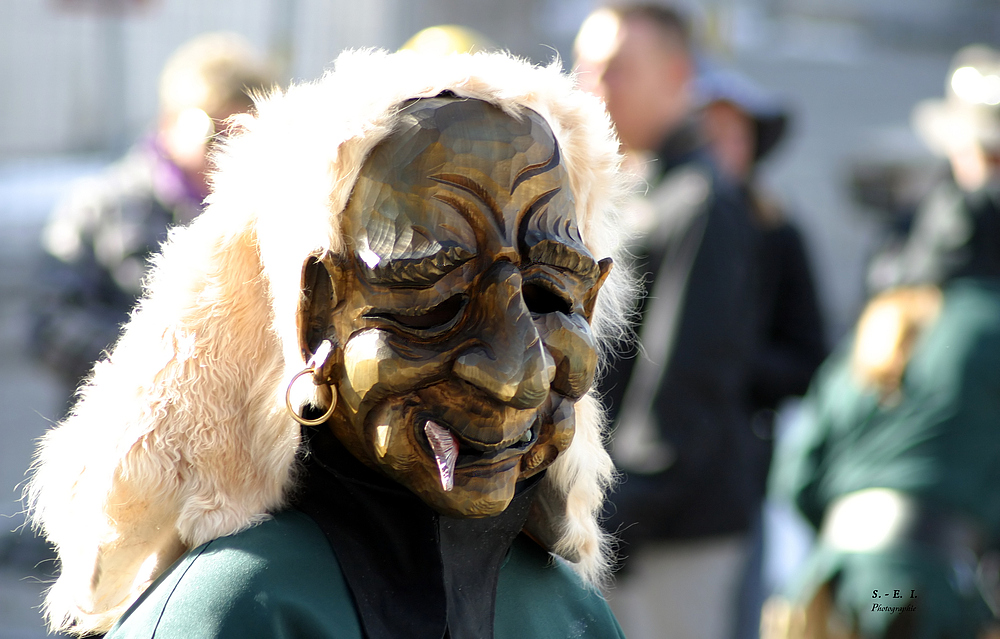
x,y
541,299
437,316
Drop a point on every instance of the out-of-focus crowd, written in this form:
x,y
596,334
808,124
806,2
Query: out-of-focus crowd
x,y
892,457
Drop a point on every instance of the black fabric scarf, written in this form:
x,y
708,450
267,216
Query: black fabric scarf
x,y
413,573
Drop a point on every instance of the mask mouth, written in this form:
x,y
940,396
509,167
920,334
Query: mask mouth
x,y
452,452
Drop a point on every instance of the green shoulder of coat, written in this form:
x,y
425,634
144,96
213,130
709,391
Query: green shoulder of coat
x,y
276,579
538,595
281,579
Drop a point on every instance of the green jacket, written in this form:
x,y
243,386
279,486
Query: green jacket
x,y
281,579
940,444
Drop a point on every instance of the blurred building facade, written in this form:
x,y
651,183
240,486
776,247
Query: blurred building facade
x,y
79,75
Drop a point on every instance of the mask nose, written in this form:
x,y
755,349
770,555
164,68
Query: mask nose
x,y
509,361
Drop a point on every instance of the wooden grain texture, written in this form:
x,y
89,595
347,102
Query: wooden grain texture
x,y
464,299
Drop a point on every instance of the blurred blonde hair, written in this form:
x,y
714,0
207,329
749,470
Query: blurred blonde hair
x,y
217,72
887,332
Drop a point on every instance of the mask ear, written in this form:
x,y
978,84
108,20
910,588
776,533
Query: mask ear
x,y
591,297
318,302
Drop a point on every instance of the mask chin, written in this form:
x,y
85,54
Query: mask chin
x,y
415,447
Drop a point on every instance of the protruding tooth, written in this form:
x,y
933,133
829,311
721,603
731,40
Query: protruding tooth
x,y
381,439
445,448
526,437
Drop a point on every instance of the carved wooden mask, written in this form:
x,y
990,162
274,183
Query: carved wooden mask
x,y
460,312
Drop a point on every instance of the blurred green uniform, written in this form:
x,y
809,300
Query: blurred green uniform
x,y
938,443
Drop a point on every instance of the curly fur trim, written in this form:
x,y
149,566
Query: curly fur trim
x,y
180,436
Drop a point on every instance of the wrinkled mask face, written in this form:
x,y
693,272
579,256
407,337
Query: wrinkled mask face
x,y
460,311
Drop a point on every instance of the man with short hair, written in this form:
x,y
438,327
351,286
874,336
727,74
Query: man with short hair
x,y
638,60
680,405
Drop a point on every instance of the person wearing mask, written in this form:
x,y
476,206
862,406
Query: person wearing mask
x,y
680,399
355,399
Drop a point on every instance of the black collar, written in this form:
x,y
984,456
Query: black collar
x,y
413,573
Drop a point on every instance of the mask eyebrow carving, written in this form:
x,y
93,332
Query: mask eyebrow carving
x,y
565,251
532,170
565,257
472,187
417,273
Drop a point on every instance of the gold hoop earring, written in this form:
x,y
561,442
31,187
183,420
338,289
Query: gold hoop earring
x,y
315,362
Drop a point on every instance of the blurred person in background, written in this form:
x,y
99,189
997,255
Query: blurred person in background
x,y
99,239
897,464
744,124
679,401
444,39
